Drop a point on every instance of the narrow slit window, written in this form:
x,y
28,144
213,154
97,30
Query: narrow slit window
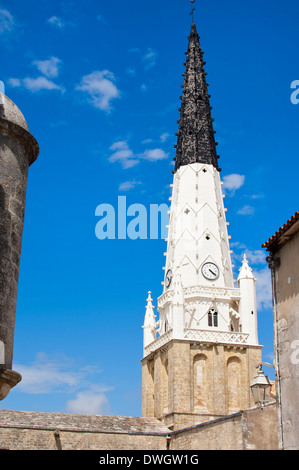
x,y
213,318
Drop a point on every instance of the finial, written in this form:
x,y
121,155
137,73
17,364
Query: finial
x,y
2,88
245,270
149,300
192,10
149,306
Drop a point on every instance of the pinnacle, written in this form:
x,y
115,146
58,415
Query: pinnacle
x,y
245,270
149,300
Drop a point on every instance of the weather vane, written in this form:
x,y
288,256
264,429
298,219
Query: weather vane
x,y
192,10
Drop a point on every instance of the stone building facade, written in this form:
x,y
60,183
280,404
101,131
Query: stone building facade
x,y
283,259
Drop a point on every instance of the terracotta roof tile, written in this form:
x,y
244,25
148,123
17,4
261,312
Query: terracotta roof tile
x,y
282,230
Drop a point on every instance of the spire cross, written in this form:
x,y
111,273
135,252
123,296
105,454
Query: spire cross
x,y
192,10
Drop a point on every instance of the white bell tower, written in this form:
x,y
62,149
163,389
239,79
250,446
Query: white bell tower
x,y
200,307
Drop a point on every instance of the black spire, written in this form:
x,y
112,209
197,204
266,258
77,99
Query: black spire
x,y
196,142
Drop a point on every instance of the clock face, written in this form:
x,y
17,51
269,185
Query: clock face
x,y
168,278
210,271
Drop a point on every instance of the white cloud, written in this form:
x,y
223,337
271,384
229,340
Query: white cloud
x,y
155,154
239,245
35,84
125,157
48,375
256,256
93,401
127,185
57,22
164,137
130,71
15,82
246,210
257,196
128,158
62,375
257,261
149,58
119,145
123,154
100,88
49,67
7,21
263,288
233,182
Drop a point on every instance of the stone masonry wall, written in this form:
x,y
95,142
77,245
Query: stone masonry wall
x,y
253,429
56,431
32,439
287,324
173,392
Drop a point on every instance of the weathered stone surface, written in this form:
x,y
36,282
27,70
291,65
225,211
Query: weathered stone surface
x,y
84,423
10,112
172,391
8,380
18,150
254,429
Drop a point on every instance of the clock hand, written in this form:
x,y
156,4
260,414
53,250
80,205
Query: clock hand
x,y
212,272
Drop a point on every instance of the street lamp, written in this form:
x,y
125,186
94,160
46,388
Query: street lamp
x,y
261,386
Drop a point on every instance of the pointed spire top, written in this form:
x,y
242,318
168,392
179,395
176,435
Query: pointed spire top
x,y
149,299
149,305
150,324
245,270
149,312
196,140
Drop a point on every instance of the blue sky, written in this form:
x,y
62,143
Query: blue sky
x,y
99,84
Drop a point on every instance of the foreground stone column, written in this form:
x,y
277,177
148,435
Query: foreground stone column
x,y
18,150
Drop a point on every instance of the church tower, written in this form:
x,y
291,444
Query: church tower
x,y
200,356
